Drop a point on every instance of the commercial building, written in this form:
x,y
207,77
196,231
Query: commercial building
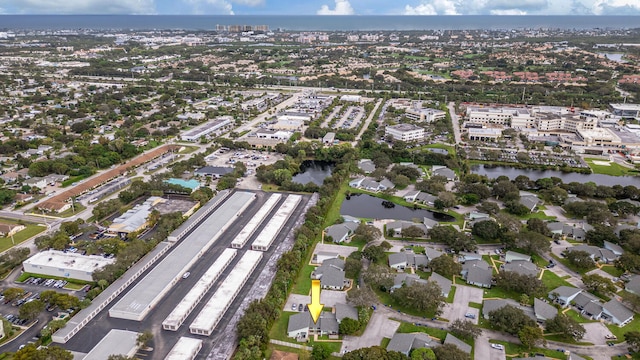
x,y
185,349
208,129
626,111
65,264
214,310
424,114
117,342
138,302
255,221
273,227
405,132
135,219
484,134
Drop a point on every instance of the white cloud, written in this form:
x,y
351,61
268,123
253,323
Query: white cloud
x,y
343,7
249,2
433,7
222,7
422,9
508,12
82,6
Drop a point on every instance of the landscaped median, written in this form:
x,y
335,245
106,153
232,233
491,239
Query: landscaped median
x,y
512,350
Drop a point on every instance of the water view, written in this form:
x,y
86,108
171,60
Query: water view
x,y
367,206
599,179
313,171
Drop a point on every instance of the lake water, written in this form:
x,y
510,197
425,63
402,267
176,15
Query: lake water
x,y
367,206
313,171
512,173
617,57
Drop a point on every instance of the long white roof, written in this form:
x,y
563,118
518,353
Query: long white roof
x,y
185,348
255,221
273,227
215,308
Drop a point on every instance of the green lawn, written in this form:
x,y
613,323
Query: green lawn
x,y
452,293
279,328
560,338
303,282
406,327
78,207
571,266
613,168
634,325
73,179
577,317
516,350
25,275
334,212
385,342
552,281
612,270
386,299
475,305
31,230
496,292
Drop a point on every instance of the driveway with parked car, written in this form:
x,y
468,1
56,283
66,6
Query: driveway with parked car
x,y
460,306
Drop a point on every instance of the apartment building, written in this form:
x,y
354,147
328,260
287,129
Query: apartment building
x,y
405,132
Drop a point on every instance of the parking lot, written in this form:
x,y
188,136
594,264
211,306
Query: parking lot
x,y
251,159
460,306
327,297
379,327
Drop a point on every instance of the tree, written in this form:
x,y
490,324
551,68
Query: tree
x,y
120,357
524,284
489,207
565,326
533,242
374,253
423,354
412,232
633,340
425,297
598,284
445,266
530,336
352,268
510,319
465,329
321,351
374,352
362,296
538,226
366,233
378,276
446,199
103,283
348,326
488,230
628,262
450,352
455,240
580,259
144,338
30,352
13,293
30,310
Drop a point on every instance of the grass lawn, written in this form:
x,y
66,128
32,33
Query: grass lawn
x,y
279,328
515,350
577,317
386,299
334,212
634,325
552,281
612,270
69,213
560,338
406,327
73,179
303,282
496,292
537,215
571,266
612,169
452,293
385,342
449,148
31,230
475,305
72,286
25,275
302,354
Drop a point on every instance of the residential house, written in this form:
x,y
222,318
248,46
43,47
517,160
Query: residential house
x,y
576,231
54,206
510,256
529,200
321,256
404,343
443,282
344,311
586,303
411,196
23,198
298,326
301,325
463,256
38,182
10,177
614,248
340,232
476,217
633,286
399,225
616,312
331,274
564,295
7,230
494,304
405,279
53,179
477,272
370,184
521,267
407,259
543,311
366,165
420,197
439,170
450,339
597,254
432,253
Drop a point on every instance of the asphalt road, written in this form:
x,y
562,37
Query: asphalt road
x,y
455,122
163,341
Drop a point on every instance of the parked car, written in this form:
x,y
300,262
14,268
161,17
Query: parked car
x,y
497,346
470,315
186,275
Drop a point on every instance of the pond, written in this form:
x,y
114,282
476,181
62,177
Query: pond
x,y
313,171
367,206
599,179
617,57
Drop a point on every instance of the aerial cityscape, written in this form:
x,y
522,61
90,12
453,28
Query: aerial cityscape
x,y
272,186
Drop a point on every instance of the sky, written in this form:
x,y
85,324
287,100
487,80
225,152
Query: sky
x,y
324,7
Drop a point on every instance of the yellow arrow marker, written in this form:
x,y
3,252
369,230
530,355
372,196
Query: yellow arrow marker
x,y
315,308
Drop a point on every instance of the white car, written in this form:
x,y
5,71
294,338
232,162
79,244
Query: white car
x,y
497,346
186,275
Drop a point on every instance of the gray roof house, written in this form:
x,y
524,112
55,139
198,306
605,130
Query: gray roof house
x,y
614,248
398,261
529,201
341,232
405,279
411,195
366,165
420,196
429,223
475,215
521,267
298,325
327,324
633,286
450,339
370,184
543,311
407,259
439,170
494,304
321,256
564,295
330,276
404,343
344,311
432,253
583,299
443,282
596,253
477,272
616,312
398,225
512,255
576,231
